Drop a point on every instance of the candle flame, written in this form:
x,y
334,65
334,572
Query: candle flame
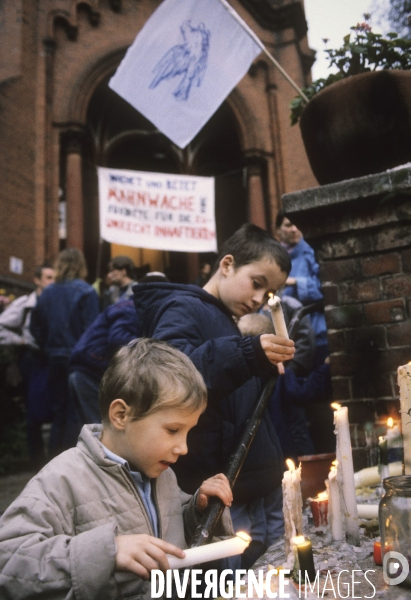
x,y
334,463
270,295
322,496
244,536
290,464
336,405
298,540
390,422
381,438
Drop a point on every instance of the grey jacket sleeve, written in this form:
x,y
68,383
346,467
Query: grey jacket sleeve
x,y
11,322
39,559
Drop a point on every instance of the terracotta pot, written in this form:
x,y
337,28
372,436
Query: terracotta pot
x,y
359,125
314,471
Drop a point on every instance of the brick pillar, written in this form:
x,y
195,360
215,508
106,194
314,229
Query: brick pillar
x,y
256,195
361,232
73,141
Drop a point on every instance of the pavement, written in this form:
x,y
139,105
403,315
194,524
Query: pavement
x,y
11,486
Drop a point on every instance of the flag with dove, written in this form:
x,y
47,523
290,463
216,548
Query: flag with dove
x,y
182,65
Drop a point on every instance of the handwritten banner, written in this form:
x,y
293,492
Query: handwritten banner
x,y
157,210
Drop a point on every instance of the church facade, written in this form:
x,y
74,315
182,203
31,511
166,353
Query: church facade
x,y
59,121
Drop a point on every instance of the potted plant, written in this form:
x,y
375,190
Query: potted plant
x,y
358,120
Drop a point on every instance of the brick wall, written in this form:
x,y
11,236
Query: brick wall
x,y
361,232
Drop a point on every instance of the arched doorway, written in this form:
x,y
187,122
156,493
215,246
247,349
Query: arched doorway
x,y
120,137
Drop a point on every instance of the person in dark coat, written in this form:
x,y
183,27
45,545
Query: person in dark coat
x,y
200,323
63,312
115,327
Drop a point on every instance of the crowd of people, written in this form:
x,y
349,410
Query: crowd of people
x,y
148,373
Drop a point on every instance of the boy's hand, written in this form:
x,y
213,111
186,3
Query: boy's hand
x,y
277,349
215,486
141,553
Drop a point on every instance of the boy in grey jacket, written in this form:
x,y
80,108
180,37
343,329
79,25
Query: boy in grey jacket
x,y
99,517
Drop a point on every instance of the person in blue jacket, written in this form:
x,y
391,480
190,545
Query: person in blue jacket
x,y
115,327
63,312
201,323
303,282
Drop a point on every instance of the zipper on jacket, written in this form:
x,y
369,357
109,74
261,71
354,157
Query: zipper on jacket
x,y
129,478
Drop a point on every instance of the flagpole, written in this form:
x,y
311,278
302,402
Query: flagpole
x,y
257,40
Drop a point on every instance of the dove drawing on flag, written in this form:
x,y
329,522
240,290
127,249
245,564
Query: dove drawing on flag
x,y
188,59
184,62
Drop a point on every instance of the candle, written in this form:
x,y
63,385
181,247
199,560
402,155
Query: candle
x,y
304,556
319,509
277,315
292,503
202,554
404,382
334,506
367,511
370,475
274,303
394,442
383,457
345,474
377,553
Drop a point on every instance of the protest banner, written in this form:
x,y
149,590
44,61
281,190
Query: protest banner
x,y
157,210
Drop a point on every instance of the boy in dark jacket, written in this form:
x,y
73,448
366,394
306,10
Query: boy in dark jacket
x,y
200,323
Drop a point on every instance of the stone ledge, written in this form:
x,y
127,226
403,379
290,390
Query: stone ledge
x,y
394,180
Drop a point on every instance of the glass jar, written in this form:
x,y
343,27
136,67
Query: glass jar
x,y
395,527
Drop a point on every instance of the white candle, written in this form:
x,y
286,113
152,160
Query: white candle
x,y
345,474
202,554
292,504
274,303
370,475
280,328
367,511
335,520
404,382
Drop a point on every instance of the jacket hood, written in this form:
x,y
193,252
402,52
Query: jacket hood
x,y
151,298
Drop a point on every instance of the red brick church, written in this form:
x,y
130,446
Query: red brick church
x,y
59,121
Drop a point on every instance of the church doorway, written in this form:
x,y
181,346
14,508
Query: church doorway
x,y
120,137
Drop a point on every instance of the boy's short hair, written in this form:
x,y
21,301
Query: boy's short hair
x,y
120,263
250,244
150,375
255,324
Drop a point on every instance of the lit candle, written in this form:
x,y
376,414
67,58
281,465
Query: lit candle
x,y
345,474
334,505
304,555
277,315
394,442
319,509
377,553
404,382
202,554
292,503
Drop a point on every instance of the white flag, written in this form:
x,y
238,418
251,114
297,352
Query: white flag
x,y
185,61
